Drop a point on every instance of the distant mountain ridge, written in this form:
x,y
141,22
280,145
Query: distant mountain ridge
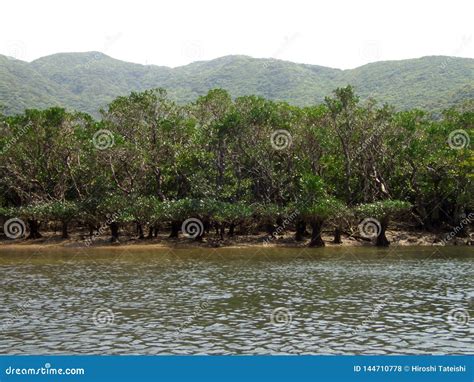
x,y
88,81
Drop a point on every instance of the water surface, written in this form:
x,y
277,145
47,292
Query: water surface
x,y
237,301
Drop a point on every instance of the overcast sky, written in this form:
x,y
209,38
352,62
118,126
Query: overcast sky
x,y
335,33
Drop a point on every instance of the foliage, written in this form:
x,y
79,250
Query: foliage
x,y
64,211
315,203
216,160
383,209
89,81
233,213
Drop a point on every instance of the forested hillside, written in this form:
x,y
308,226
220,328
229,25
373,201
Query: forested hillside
x,y
89,81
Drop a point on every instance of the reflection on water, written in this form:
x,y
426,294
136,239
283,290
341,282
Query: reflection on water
x,y
237,301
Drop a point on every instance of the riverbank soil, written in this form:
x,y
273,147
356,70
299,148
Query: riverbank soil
x,y
77,240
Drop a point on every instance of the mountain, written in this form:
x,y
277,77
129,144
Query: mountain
x,y
88,81
21,86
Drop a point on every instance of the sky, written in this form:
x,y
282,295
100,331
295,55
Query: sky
x,y
336,33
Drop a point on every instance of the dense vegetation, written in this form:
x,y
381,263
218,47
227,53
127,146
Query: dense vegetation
x,y
236,166
87,81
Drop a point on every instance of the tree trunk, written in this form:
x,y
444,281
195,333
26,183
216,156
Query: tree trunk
x,y
34,226
141,235
435,215
300,230
221,165
316,240
175,227
279,221
159,182
347,167
436,209
65,234
155,231
231,230
114,231
91,230
382,240
204,231
150,232
269,228
337,236
461,222
222,231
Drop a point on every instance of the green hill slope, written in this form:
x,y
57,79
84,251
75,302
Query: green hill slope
x,y
22,87
88,81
